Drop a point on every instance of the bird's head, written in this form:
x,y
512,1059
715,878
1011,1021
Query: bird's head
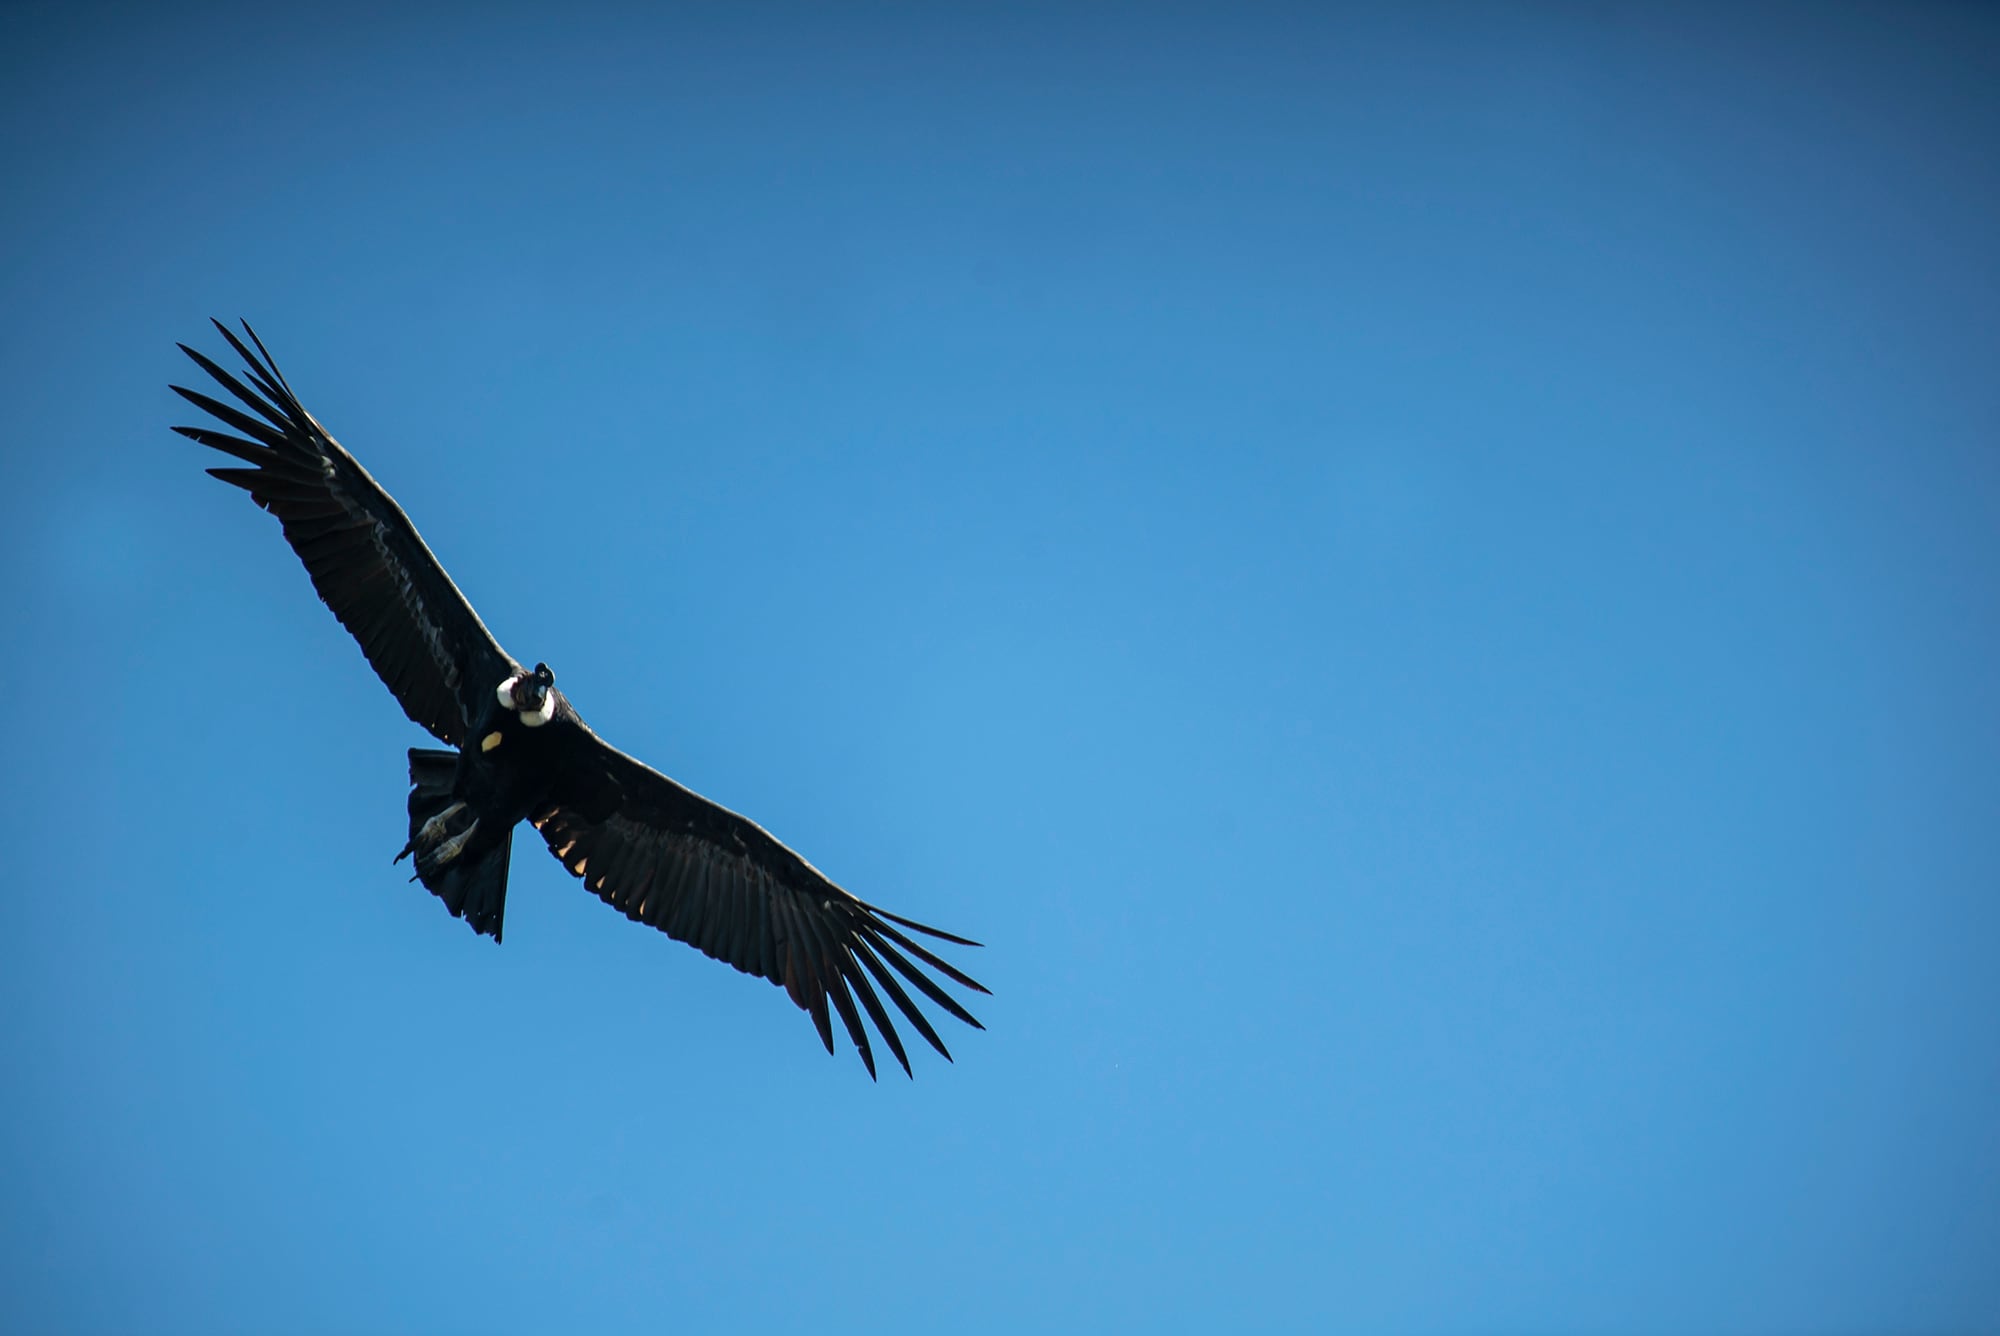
x,y
530,695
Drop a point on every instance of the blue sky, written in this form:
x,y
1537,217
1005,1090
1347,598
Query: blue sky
x,y
1424,579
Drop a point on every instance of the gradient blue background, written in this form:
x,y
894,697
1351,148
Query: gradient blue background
x,y
1425,580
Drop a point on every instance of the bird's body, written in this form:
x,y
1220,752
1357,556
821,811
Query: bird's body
x,y
510,768
508,764
662,854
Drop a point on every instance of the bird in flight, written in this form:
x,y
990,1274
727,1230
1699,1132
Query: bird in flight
x,y
662,854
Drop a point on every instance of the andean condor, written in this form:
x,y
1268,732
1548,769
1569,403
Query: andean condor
x,y
664,855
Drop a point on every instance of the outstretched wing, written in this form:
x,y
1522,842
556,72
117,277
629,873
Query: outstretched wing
x,y
366,560
706,876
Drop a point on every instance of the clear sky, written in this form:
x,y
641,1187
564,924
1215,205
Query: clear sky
x,y
1424,578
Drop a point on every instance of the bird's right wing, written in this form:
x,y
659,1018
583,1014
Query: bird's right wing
x,y
364,556
666,856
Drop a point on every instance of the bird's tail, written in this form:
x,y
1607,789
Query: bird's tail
x,y
465,871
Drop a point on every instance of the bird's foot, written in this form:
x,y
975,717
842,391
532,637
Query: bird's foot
x,y
433,830
429,843
430,860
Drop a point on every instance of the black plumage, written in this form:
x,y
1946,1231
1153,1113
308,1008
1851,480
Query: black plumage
x,y
660,853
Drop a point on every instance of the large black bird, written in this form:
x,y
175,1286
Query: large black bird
x,y
662,854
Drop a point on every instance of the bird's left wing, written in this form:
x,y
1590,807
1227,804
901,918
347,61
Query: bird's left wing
x,y
364,556
666,856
